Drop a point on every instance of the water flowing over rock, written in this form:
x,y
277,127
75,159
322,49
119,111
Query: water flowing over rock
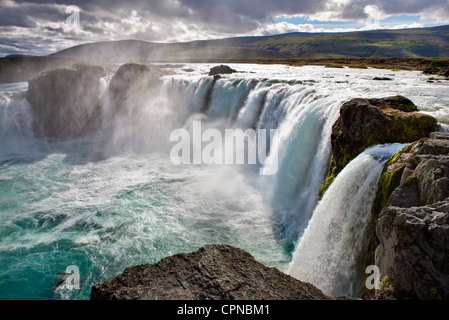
x,y
413,228
66,101
213,272
367,122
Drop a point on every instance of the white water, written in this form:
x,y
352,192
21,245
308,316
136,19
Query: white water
x,y
115,199
326,254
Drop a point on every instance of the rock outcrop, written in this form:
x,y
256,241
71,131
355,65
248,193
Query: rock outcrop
x,y
132,85
214,272
66,101
221,69
413,226
367,122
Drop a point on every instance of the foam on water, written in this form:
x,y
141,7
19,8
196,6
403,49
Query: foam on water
x,y
115,199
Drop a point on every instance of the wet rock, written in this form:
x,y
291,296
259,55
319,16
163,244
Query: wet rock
x,y
133,85
66,101
367,122
382,79
221,69
214,272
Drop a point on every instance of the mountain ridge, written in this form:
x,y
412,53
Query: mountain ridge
x,y
407,43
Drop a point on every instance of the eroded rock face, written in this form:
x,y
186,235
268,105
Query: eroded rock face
x,y
66,101
367,122
413,227
133,85
214,272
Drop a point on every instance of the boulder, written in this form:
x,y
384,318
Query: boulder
x,y
66,101
221,69
367,122
133,85
412,227
214,272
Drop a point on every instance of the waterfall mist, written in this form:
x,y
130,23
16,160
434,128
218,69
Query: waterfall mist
x,y
113,198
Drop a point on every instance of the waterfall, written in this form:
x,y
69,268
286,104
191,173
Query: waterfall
x,y
326,254
302,145
132,205
16,120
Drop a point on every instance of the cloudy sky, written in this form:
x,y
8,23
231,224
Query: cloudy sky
x,y
45,26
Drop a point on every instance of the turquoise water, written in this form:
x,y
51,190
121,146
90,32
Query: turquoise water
x,y
115,199
72,207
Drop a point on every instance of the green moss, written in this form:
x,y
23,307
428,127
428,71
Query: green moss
x,y
433,291
385,283
384,187
332,174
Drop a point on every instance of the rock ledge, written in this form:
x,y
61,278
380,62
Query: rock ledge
x,y
214,272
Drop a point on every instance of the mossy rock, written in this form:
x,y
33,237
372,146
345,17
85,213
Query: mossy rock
x,y
367,122
390,177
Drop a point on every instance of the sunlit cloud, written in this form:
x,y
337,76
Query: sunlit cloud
x,y
39,26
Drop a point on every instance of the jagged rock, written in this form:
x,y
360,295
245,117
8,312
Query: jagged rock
x,y
367,122
414,250
66,101
413,226
221,69
132,85
214,272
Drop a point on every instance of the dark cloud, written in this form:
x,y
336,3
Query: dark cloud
x,y
170,20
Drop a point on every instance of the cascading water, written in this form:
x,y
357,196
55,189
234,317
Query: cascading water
x,y
326,254
115,199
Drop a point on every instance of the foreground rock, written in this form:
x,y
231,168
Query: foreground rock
x,y
66,101
413,226
214,272
367,122
221,69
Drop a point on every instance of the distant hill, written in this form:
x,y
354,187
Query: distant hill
x,y
420,42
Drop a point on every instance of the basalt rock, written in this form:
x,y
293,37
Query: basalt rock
x,y
133,85
367,122
412,227
66,101
221,69
214,272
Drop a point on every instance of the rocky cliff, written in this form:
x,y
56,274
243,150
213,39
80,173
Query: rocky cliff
x,y
214,272
367,122
413,225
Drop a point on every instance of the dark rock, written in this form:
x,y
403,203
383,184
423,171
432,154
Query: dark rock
x,y
413,224
367,122
414,250
382,79
133,85
221,69
66,101
214,272
431,70
417,175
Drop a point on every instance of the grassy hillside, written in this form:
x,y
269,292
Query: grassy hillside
x,y
423,42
